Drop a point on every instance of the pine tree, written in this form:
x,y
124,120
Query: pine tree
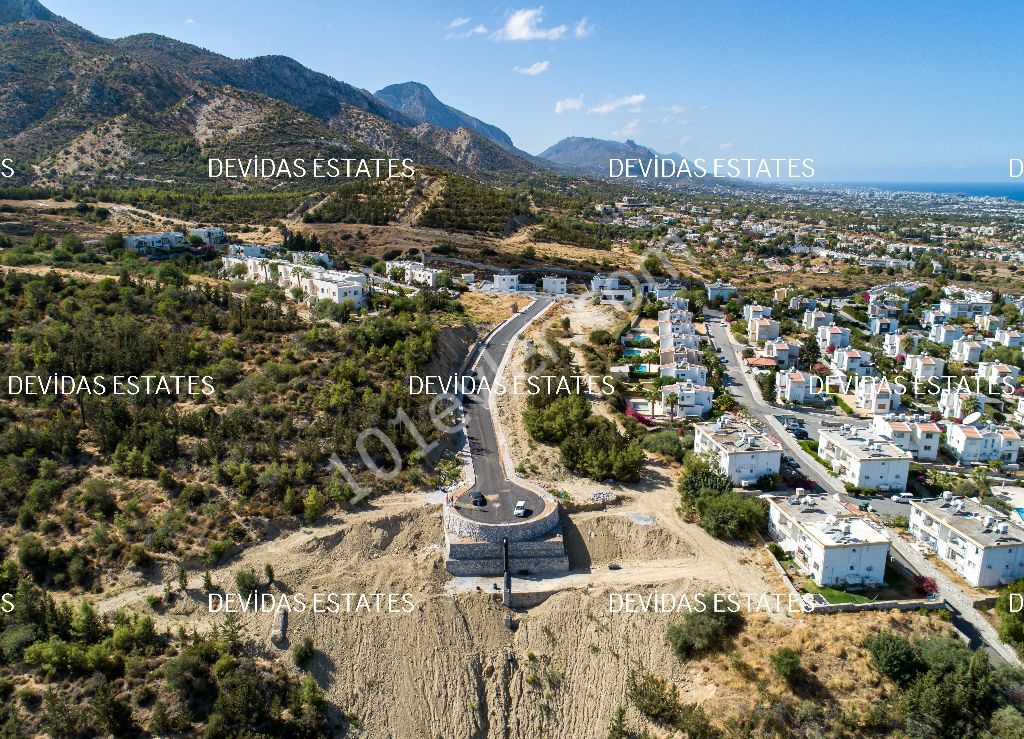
x,y
617,730
159,721
810,353
232,634
112,714
87,626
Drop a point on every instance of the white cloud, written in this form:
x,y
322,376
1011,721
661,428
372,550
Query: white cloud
x,y
582,29
628,130
568,104
474,31
190,21
728,145
612,105
458,22
675,109
533,69
524,25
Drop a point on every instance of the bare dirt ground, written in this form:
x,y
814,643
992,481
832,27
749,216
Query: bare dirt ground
x,y
450,667
540,462
489,309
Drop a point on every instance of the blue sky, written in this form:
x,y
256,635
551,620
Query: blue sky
x,y
912,90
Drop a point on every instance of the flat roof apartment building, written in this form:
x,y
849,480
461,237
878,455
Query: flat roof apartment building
x,y
979,542
743,453
864,460
834,545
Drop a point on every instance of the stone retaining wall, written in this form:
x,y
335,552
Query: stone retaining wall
x,y
878,605
484,550
531,528
881,605
485,567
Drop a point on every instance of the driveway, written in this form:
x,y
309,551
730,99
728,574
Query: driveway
x,y
500,493
967,618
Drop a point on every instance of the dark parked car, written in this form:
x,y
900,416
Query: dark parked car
x,y
479,499
800,434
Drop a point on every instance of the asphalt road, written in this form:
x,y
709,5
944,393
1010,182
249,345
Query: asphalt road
x,y
737,386
500,493
970,622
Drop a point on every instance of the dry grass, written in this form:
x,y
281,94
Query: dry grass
x,y
832,653
487,310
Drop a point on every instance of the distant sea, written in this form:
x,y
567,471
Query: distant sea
x,y
1012,190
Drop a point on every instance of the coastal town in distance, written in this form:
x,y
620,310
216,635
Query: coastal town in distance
x,y
648,403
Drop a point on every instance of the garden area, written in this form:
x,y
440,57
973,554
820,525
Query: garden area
x,y
898,583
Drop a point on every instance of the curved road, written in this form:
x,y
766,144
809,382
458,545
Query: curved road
x,y
500,492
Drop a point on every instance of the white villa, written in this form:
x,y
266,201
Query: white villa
x,y
915,434
743,453
983,442
834,545
980,543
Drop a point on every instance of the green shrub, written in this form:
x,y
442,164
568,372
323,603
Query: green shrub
x,y
96,498
303,651
658,700
703,631
786,663
247,580
1011,622
665,443
732,516
895,657
33,556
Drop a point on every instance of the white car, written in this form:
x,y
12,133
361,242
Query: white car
x,y
902,497
520,511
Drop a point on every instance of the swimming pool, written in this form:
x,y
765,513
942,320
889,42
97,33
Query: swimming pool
x,y
632,352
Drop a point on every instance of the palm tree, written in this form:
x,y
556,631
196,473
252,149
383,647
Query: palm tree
x,y
673,402
979,476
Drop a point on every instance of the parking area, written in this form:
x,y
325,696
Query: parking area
x,y
499,505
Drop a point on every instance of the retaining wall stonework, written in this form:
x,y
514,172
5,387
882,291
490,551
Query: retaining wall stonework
x,y
476,550
493,567
461,527
881,605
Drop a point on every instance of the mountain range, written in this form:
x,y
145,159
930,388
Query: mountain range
x,y
75,107
416,101
590,156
